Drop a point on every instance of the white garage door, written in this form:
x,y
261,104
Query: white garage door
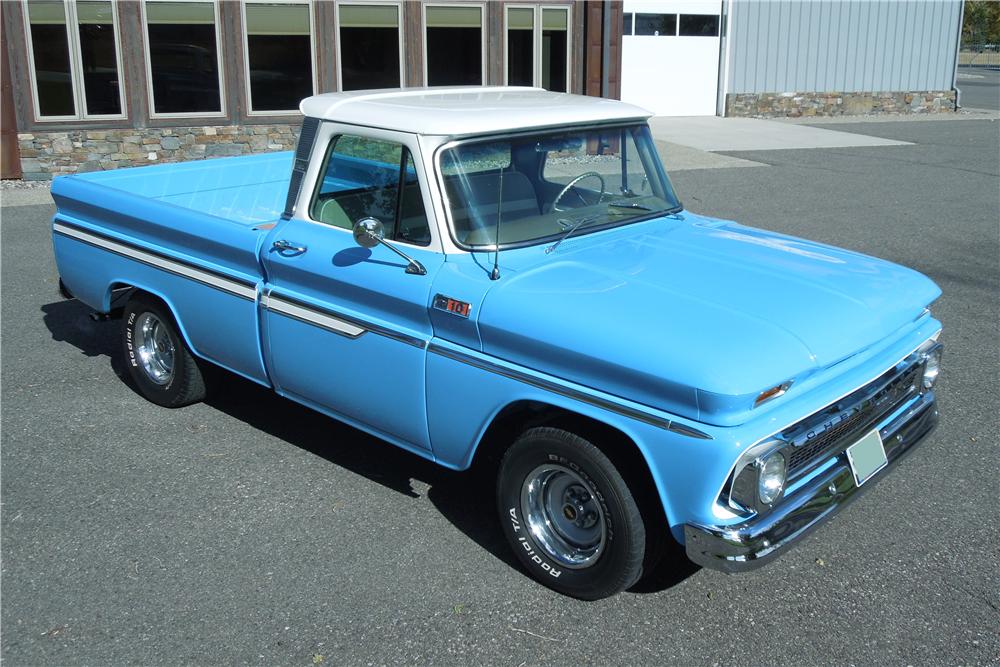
x,y
670,56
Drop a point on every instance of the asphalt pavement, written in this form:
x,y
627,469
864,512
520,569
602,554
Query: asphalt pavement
x,y
251,530
980,88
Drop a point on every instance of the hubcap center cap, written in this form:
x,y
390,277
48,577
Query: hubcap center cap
x,y
563,515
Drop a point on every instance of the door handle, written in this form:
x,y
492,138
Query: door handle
x,y
285,246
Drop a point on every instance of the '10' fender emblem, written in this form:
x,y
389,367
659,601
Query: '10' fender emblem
x,y
453,306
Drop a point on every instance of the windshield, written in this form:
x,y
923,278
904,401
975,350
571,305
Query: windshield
x,y
542,186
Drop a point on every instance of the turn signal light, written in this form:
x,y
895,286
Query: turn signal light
x,y
773,392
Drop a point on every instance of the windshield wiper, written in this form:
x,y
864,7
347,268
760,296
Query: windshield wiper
x,y
569,232
630,204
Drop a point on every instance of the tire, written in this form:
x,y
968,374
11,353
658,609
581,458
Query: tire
x,y
158,360
569,515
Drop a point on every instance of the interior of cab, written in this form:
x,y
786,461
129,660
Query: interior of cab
x,y
370,178
542,186
344,208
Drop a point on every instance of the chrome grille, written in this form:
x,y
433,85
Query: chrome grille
x,y
826,441
854,414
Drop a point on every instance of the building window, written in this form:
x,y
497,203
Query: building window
x,y
660,25
627,23
99,58
75,60
454,44
520,46
183,61
699,25
50,51
555,49
538,47
279,52
370,45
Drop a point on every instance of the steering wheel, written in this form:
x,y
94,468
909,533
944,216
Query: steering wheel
x,y
562,193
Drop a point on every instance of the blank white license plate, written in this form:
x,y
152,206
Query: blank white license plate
x,y
867,457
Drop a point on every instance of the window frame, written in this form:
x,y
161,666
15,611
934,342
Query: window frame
x,y
328,134
538,30
248,96
399,30
150,98
718,24
677,23
75,67
482,36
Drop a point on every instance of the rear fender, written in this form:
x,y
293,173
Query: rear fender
x,y
140,287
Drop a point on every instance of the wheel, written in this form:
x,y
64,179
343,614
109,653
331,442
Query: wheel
x,y
158,361
569,515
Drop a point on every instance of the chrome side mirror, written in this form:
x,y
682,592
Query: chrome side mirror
x,y
368,232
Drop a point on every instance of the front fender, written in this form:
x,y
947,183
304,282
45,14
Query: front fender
x,y
464,398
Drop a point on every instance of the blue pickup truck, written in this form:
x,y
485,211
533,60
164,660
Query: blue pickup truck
x,y
505,277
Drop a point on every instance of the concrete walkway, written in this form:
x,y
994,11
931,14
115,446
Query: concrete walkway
x,y
23,197
712,133
678,157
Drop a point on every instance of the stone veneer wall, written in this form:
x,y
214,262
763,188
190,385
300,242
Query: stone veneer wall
x,y
48,154
793,105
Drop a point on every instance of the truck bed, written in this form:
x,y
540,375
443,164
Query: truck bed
x,y
247,189
189,233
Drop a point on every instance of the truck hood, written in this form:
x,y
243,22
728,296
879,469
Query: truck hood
x,y
693,315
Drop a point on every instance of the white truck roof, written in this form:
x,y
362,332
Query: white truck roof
x,y
466,110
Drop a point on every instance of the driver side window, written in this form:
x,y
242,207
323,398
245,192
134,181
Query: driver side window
x,y
363,178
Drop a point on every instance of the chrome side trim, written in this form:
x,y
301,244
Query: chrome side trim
x,y
688,431
226,284
555,388
332,320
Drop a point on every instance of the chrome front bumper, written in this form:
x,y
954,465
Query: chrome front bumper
x,y
757,541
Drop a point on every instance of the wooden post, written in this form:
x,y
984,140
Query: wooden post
x,y
594,49
10,153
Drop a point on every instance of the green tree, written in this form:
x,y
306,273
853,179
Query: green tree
x,y
982,22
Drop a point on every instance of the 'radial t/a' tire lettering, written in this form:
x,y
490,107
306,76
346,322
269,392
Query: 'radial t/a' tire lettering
x,y
158,361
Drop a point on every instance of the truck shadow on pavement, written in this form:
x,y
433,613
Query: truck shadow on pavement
x,y
464,498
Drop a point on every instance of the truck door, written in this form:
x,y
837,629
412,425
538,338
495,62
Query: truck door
x,y
346,327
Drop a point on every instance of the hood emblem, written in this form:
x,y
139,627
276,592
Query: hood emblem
x,y
453,306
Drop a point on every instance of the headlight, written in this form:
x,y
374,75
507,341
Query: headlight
x,y
932,366
770,477
759,477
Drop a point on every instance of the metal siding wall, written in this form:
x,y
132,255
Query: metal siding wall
x,y
842,45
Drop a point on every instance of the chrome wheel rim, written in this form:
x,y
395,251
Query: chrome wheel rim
x,y
154,348
564,517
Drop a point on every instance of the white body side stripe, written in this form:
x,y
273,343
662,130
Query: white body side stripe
x,y
211,279
311,316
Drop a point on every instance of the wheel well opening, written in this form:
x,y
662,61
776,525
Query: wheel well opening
x,y
118,295
520,416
